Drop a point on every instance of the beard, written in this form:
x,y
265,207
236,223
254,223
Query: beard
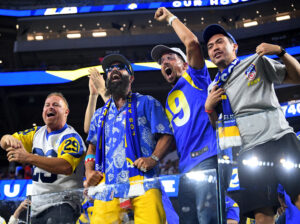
x,y
117,89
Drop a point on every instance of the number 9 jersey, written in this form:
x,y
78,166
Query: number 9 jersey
x,y
194,135
65,143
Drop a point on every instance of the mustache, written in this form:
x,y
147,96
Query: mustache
x,y
116,72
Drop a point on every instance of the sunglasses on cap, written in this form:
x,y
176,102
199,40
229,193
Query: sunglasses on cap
x,y
117,66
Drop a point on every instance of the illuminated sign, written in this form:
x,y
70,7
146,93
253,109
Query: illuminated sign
x,y
291,110
14,189
121,7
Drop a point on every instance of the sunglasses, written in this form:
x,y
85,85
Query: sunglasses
x,y
117,66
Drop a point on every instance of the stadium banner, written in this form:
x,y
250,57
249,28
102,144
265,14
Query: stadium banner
x,y
119,7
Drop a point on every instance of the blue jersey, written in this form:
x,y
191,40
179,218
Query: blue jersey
x,y
194,135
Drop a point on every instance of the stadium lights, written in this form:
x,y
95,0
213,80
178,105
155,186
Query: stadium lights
x,y
251,23
281,18
39,37
30,37
288,164
252,162
73,35
99,34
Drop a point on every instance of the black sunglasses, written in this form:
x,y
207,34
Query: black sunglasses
x,y
117,66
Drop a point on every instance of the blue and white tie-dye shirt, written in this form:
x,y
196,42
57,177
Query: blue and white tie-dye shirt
x,y
151,121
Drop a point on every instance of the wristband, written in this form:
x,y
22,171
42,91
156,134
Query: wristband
x,y
89,158
282,52
170,20
209,111
155,158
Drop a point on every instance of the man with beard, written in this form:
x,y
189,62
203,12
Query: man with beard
x,y
127,137
246,90
55,150
194,135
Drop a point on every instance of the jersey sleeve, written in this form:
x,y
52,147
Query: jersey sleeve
x,y
26,137
72,149
274,70
200,77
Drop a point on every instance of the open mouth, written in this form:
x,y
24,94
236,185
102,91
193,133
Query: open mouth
x,y
218,54
50,114
116,77
168,71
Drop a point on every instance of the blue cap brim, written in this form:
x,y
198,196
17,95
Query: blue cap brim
x,y
214,29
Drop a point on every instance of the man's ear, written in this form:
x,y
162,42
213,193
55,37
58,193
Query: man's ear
x,y
185,64
131,79
235,47
67,112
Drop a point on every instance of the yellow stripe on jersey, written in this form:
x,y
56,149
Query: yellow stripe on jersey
x,y
190,81
69,150
26,137
228,131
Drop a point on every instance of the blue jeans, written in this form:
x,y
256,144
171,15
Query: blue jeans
x,y
198,199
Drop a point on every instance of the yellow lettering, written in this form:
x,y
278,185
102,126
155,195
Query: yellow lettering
x,y
131,126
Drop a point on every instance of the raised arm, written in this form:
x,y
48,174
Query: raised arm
x,y
190,41
291,63
96,87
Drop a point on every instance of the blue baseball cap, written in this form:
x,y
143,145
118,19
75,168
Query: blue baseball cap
x,y
214,29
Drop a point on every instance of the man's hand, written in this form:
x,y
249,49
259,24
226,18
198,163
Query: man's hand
x,y
19,155
162,14
93,178
267,49
145,163
97,82
213,98
23,206
10,141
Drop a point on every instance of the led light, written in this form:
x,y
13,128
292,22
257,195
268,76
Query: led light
x,y
39,37
249,24
30,37
99,34
281,18
73,35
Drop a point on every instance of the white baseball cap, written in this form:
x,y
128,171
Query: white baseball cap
x,y
159,50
